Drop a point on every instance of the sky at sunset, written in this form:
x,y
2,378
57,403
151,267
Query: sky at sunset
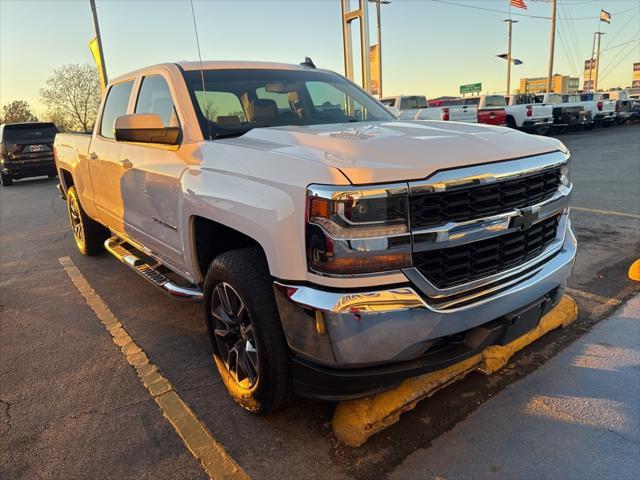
x,y
429,47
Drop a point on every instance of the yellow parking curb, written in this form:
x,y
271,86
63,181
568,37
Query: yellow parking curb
x,y
354,421
634,271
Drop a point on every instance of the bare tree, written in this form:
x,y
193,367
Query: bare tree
x,y
72,96
16,112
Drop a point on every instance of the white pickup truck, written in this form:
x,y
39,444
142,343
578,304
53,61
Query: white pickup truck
x,y
337,250
603,111
523,112
416,107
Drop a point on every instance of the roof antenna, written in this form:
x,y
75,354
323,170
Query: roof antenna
x,y
204,88
308,63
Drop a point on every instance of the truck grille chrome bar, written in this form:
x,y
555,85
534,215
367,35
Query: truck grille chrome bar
x,y
480,229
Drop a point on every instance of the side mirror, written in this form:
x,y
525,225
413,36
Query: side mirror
x,y
145,128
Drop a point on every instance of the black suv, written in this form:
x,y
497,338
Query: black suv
x,y
26,150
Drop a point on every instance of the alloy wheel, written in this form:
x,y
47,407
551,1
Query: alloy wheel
x,y
76,221
235,335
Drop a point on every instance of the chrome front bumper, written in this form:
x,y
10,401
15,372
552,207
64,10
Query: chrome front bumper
x,y
358,329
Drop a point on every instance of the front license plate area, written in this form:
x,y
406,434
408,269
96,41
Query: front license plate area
x,y
522,321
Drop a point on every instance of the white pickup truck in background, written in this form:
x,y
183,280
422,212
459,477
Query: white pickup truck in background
x,y
524,113
416,107
569,112
603,111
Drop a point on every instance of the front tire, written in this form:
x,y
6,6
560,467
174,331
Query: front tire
x,y
250,350
88,234
6,179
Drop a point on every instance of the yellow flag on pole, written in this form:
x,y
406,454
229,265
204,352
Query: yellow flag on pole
x,y
95,51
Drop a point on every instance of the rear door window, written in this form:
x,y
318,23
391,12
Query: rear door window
x,y
114,107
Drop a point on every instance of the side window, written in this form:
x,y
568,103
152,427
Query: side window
x,y
155,97
115,106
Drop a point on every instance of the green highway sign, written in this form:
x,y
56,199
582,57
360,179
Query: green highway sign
x,y
471,88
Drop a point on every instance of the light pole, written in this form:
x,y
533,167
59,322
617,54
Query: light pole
x,y
379,35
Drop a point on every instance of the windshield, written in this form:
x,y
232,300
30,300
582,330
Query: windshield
x,y
29,131
237,101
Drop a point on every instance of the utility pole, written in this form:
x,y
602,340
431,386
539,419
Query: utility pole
x,y
595,87
552,45
593,48
96,27
510,22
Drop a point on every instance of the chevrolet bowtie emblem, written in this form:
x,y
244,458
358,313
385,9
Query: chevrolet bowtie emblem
x,y
528,216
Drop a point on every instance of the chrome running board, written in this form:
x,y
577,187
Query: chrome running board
x,y
117,248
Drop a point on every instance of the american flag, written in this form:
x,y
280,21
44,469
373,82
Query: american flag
x,y
518,4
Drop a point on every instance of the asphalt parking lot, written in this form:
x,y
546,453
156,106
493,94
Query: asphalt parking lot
x,y
70,405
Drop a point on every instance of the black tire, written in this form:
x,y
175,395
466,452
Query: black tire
x,y
88,234
243,275
6,180
511,123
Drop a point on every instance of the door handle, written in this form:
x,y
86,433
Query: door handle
x,y
93,156
126,163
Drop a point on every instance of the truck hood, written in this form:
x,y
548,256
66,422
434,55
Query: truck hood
x,y
399,150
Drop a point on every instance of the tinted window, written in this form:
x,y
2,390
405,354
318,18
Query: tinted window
x,y
407,103
221,107
554,98
241,99
115,106
155,97
494,101
29,131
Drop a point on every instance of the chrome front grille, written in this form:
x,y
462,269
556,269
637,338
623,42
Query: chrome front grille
x,y
448,267
478,227
478,200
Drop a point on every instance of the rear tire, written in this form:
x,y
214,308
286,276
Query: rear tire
x,y
88,234
250,349
6,179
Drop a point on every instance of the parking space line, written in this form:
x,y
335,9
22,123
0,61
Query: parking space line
x,y
214,459
605,212
593,296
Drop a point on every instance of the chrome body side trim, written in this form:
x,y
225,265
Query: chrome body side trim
x,y
432,291
393,325
487,173
459,233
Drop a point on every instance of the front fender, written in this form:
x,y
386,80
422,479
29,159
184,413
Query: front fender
x,y
271,214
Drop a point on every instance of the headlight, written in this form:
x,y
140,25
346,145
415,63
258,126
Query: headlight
x,y
354,230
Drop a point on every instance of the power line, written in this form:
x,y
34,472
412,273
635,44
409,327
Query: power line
x,y
612,69
571,44
619,31
637,39
506,12
566,52
615,61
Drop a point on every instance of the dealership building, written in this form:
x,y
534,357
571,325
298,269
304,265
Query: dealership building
x,y
559,84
